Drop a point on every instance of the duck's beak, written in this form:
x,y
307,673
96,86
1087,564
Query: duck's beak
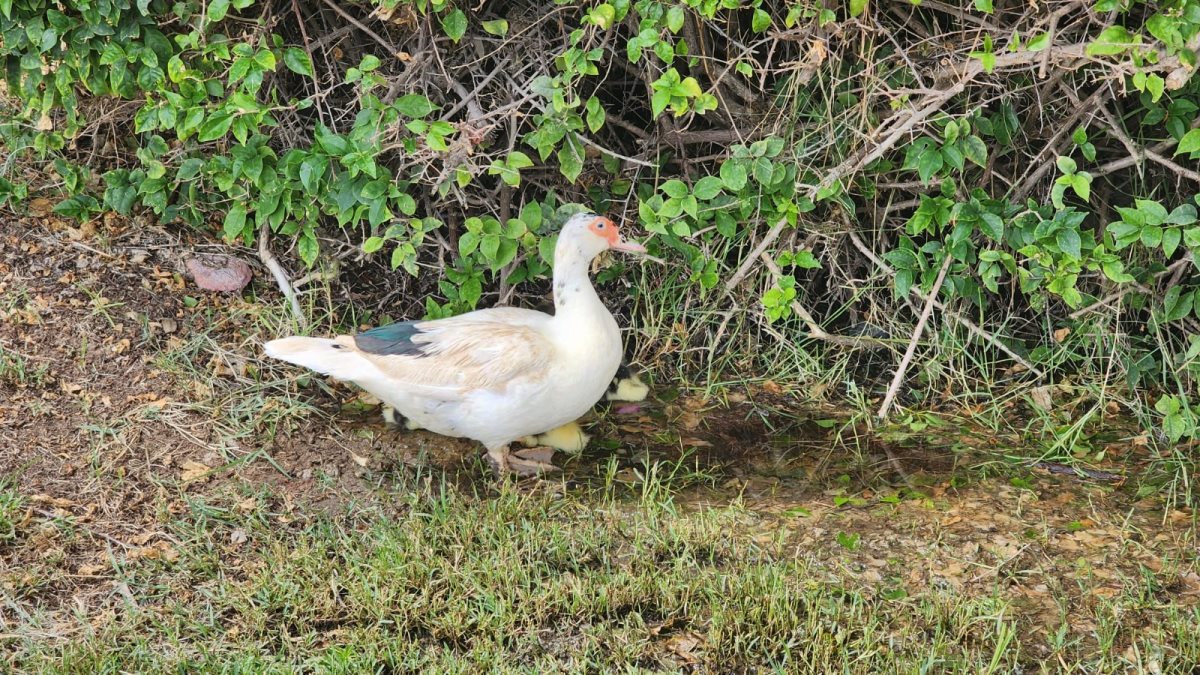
x,y
628,246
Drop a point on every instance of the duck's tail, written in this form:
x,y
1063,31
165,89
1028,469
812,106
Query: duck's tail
x,y
328,357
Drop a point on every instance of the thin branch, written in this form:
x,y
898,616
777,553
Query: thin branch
x,y
901,369
632,160
748,263
391,49
321,107
814,330
961,320
281,279
1186,173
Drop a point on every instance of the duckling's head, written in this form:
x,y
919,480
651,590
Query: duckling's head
x,y
592,235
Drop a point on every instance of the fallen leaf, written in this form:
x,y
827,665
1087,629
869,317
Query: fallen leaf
x,y
1042,398
194,471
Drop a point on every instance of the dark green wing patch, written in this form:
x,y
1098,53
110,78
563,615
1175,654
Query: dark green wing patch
x,y
394,339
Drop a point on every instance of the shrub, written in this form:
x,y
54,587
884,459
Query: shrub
x,y
854,146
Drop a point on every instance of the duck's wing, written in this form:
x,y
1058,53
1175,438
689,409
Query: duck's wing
x,y
484,350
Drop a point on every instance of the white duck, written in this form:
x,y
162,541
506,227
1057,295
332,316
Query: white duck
x,y
626,386
492,375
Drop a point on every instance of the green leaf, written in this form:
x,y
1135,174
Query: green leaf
x,y
297,61
1155,85
265,59
1177,304
1155,213
467,243
929,163
570,158
1069,243
235,221
1082,184
857,7
1151,236
308,247
733,175
1066,165
414,105
1189,143
217,10
1170,240
518,160
369,62
974,149
762,21
1113,40
496,27
675,17
1115,270
659,101
689,87
675,188
1184,214
707,187
991,225
726,225
372,244
984,6
603,16
595,114
374,189
454,24
806,260
489,246
215,127
311,171
1039,43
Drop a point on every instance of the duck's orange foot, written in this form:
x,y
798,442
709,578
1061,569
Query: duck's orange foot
x,y
526,462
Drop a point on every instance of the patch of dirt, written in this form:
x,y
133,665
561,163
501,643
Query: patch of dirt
x,y
127,393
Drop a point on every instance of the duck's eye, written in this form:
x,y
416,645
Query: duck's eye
x,y
600,225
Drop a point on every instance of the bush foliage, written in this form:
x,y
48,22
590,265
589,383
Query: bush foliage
x,y
819,162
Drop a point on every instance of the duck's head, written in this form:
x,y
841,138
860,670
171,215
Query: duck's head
x,y
595,234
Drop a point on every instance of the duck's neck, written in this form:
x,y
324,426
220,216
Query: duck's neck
x,y
574,296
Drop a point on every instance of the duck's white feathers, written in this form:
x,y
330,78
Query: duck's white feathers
x,y
485,350
493,375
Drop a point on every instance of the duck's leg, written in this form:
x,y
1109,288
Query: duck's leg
x,y
527,462
498,458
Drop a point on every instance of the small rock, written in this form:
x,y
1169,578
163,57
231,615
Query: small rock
x,y
169,325
238,536
219,273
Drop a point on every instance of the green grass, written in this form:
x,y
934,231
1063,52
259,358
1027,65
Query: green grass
x,y
15,369
11,505
435,580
